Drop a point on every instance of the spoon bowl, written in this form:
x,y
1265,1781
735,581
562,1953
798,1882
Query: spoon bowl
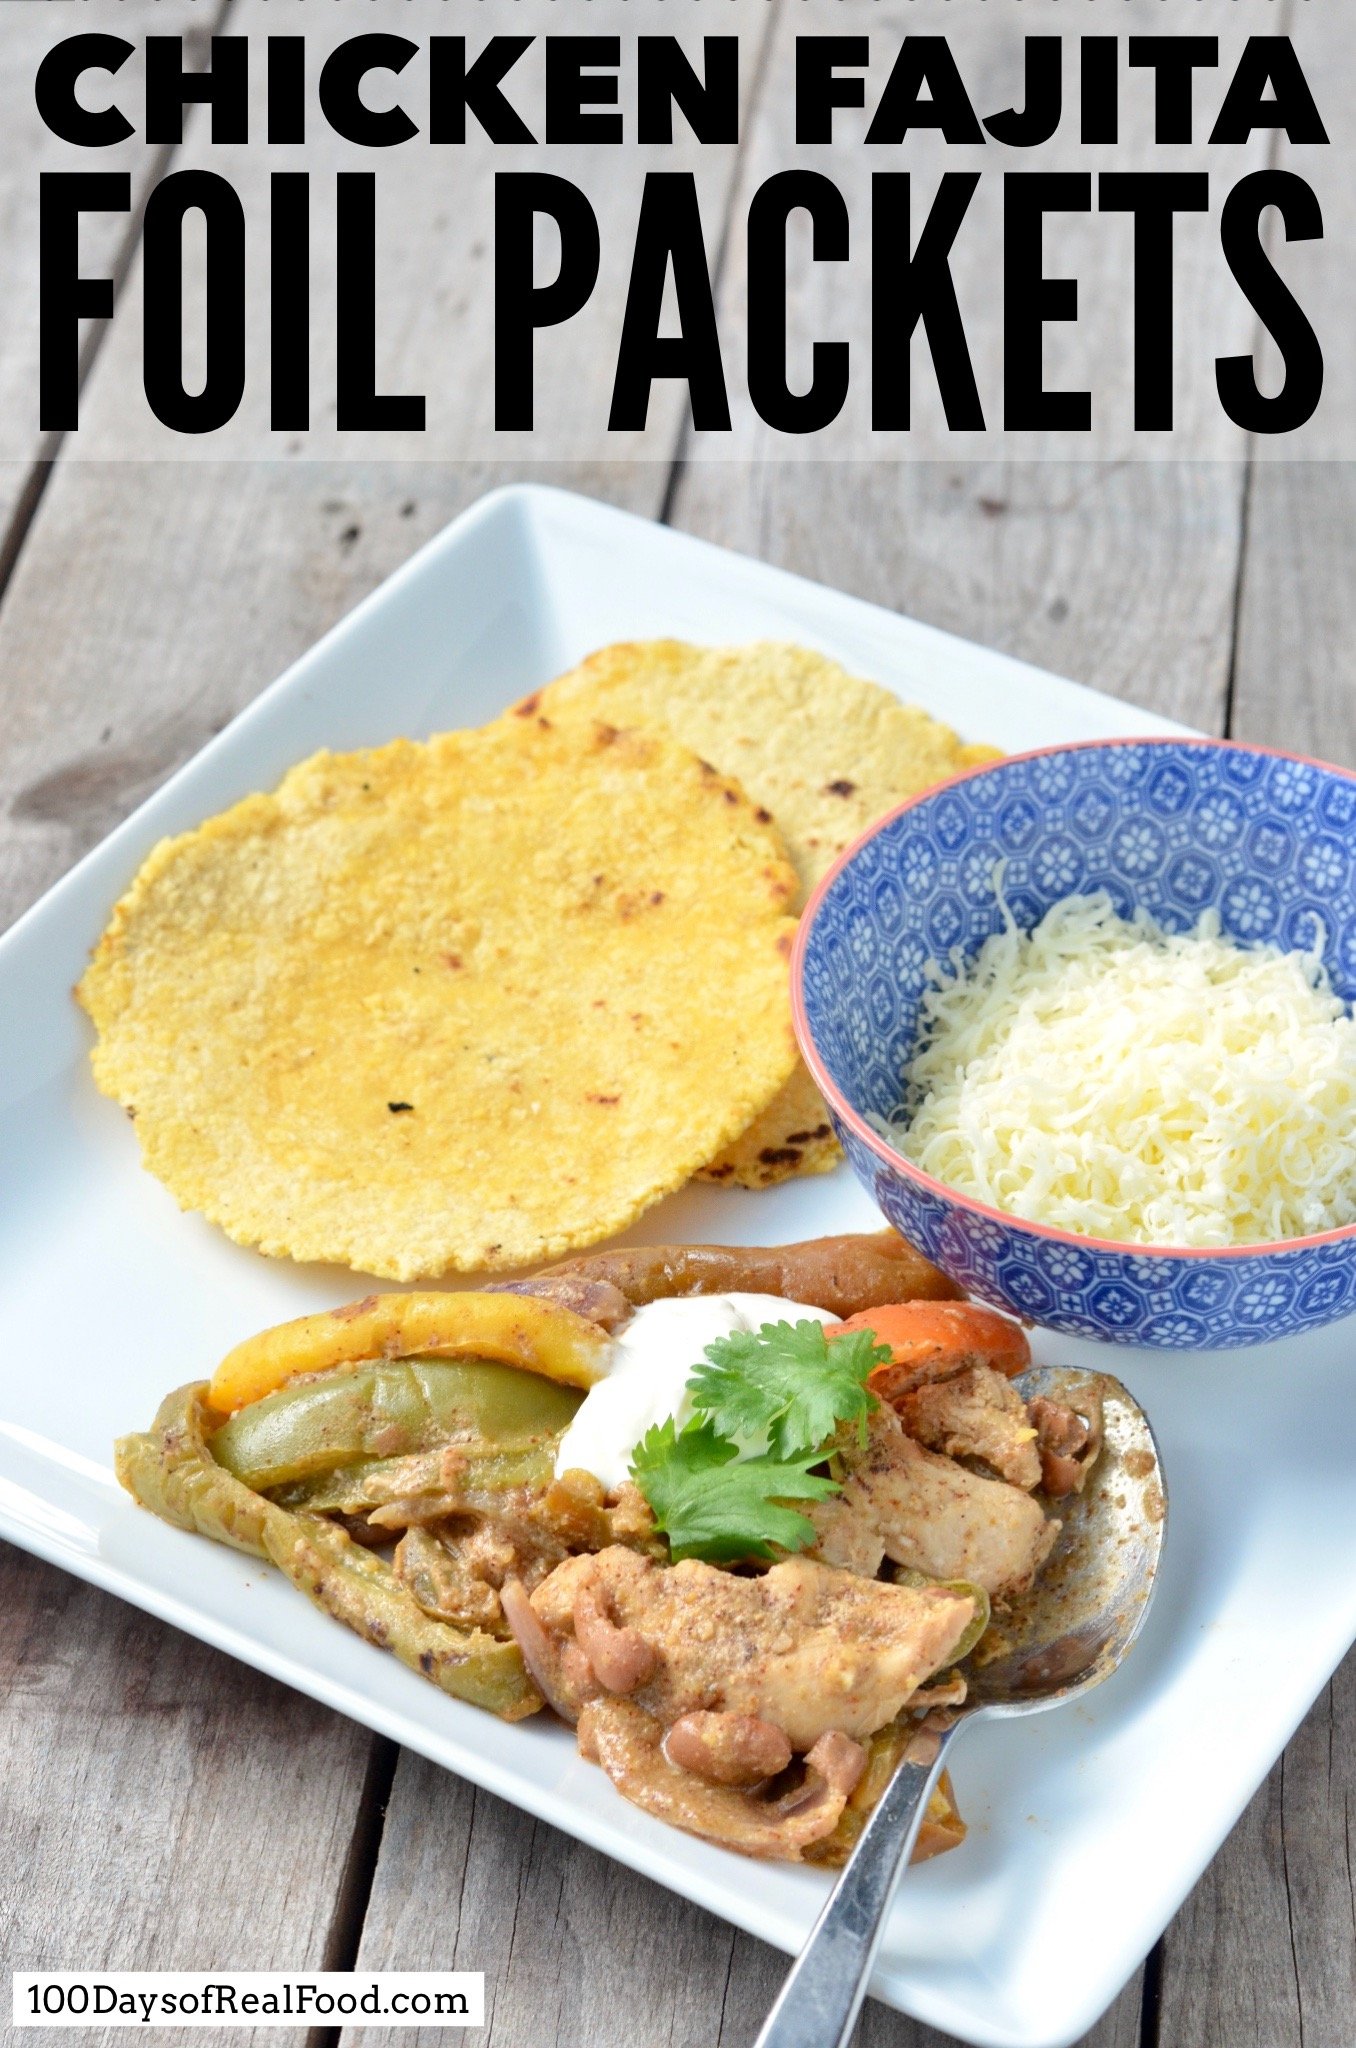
x,y
1077,1622
1049,1645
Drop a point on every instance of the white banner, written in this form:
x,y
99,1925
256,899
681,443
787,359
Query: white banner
x,y
247,1998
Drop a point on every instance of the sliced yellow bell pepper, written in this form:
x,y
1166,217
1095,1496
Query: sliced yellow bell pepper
x,y
511,1329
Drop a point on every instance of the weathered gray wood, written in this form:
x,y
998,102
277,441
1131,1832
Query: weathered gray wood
x,y
29,151
1295,672
573,1949
151,603
1119,576
1265,1949
1295,684
576,1953
162,1807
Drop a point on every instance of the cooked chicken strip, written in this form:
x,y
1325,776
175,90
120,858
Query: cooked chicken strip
x,y
931,1515
803,1647
629,1746
1070,1442
846,1537
978,1414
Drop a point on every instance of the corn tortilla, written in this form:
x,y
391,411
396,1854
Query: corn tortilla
x,y
451,1006
824,752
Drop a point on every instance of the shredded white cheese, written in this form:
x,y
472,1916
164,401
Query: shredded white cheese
x,y
1107,1078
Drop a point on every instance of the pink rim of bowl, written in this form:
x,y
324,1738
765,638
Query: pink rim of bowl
x,y
905,1168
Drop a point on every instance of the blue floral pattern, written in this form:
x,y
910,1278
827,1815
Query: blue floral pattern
x,y
1175,826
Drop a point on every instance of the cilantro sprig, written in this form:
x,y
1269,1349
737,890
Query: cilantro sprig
x,y
712,1503
790,1387
788,1384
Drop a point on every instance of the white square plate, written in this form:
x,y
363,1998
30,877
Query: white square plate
x,y
1088,1826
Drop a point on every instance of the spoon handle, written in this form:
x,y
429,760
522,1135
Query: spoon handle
x,y
821,1998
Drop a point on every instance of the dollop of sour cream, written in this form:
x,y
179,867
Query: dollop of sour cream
x,y
652,1358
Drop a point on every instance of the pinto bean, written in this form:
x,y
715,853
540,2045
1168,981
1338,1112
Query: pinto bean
x,y
620,1658
727,1749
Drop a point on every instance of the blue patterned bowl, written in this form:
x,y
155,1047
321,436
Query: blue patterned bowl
x,y
1174,826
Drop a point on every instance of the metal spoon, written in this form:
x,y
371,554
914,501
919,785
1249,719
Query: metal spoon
x,y
1065,1636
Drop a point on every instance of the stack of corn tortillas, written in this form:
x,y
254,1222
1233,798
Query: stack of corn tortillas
x,y
823,751
468,1004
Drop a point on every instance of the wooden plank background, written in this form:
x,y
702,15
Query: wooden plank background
x,y
163,1807
28,151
